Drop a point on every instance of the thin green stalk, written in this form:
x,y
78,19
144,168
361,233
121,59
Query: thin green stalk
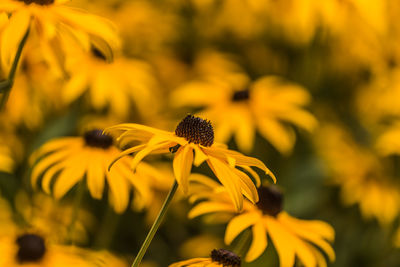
x,y
77,205
243,244
107,229
6,86
155,225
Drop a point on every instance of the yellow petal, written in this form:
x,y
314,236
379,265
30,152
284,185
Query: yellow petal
x,y
119,191
182,165
239,223
95,176
12,36
259,242
125,153
69,177
146,151
200,156
210,207
248,187
229,180
282,242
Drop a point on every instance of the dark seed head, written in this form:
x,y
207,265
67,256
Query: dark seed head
x,y
225,257
31,248
196,130
39,2
271,200
96,138
241,95
97,53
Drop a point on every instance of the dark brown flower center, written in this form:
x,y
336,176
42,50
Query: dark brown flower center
x,y
196,130
96,138
225,257
31,248
98,54
39,2
271,200
241,95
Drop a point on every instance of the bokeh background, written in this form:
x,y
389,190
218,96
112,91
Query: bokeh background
x,y
344,171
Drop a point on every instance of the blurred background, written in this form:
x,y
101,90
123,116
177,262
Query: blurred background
x,y
341,167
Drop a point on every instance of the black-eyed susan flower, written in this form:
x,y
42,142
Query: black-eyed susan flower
x,y
69,160
218,258
119,84
360,174
33,250
193,143
47,21
239,108
54,219
291,236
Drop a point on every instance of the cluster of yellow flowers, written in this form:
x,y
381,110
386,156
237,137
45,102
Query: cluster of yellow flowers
x,y
141,105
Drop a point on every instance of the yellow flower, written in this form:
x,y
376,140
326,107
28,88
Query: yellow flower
x,y
199,245
68,160
121,84
11,150
389,142
48,21
238,109
193,135
218,258
53,218
361,175
291,237
32,250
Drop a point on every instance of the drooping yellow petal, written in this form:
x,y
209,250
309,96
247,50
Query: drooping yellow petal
x,y
182,165
12,35
69,177
125,153
282,242
259,242
50,174
248,187
95,176
239,223
229,180
146,151
119,190
200,156
210,207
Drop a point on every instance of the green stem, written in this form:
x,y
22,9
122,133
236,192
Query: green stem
x,y
107,229
75,212
155,225
6,86
243,244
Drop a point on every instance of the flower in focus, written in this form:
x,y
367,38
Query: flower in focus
x,y
238,108
291,237
118,83
68,160
47,21
193,143
362,177
218,258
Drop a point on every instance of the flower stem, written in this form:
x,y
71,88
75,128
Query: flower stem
x,y
6,85
155,225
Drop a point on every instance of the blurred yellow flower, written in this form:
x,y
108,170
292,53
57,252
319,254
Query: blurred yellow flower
x,y
69,160
218,258
53,218
291,237
267,105
11,150
32,250
360,174
200,245
193,134
389,142
121,84
47,21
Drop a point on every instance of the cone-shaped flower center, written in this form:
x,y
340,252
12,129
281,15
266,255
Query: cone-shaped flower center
x,y
241,95
96,138
196,130
225,257
39,2
31,248
271,200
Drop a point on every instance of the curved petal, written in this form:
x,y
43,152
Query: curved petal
x,y
182,165
239,223
259,242
210,207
